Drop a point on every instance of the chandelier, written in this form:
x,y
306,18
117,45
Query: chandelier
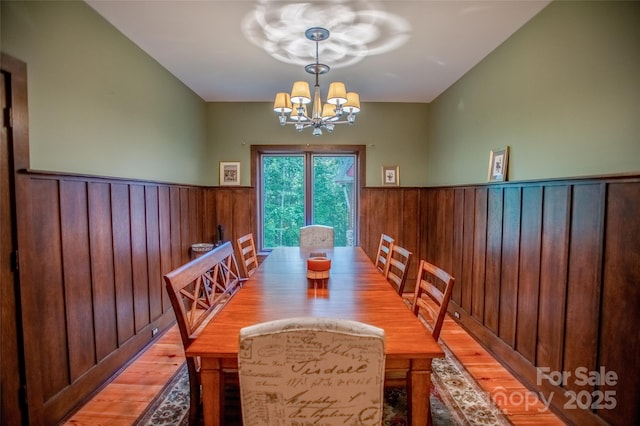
x,y
340,103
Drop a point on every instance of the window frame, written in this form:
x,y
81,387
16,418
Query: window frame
x,y
308,151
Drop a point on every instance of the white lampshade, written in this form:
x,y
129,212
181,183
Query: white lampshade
x,y
328,112
337,93
353,103
300,93
282,103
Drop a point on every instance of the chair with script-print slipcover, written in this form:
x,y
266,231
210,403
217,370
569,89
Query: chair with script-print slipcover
x,y
311,370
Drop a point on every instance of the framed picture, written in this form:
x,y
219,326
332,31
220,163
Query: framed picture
x,y
498,164
229,173
390,175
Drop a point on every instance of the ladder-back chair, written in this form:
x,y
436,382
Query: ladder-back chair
x,y
248,255
431,295
383,253
398,267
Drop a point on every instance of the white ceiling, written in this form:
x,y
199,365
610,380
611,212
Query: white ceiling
x,y
388,51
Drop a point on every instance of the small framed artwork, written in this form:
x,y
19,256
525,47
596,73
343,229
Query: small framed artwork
x,y
498,164
390,175
229,173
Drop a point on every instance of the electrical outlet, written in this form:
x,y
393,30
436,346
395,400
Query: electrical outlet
x,y
154,331
456,314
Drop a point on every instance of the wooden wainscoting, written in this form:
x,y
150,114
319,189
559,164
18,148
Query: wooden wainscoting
x,y
92,260
235,210
398,212
91,267
547,277
546,273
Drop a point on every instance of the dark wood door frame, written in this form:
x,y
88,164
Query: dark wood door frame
x,y
15,157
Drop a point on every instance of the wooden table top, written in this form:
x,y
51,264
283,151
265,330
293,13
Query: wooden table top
x,y
355,290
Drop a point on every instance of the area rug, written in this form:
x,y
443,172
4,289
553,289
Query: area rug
x,y
455,400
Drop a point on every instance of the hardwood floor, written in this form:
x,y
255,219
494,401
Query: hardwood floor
x,y
518,403
123,400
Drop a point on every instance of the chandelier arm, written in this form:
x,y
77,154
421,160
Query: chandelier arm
x,y
311,124
304,125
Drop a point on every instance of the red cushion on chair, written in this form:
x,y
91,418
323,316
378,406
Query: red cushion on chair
x,y
318,264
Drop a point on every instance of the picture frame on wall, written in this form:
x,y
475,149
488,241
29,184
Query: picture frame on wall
x,y
499,165
229,173
390,176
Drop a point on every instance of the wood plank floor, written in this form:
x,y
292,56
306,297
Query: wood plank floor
x,y
508,393
123,400
126,397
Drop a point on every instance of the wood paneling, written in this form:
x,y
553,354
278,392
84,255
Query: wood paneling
x,y
177,252
153,252
549,274
457,257
529,275
164,230
96,253
547,278
466,278
51,356
102,270
619,343
493,259
76,268
444,229
139,257
510,265
396,212
123,271
584,280
235,210
546,273
553,277
429,226
410,232
374,223
479,255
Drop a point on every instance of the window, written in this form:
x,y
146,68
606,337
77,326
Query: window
x,y
298,186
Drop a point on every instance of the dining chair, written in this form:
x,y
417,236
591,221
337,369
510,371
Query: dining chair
x,y
197,291
316,236
383,253
311,370
431,295
398,267
248,255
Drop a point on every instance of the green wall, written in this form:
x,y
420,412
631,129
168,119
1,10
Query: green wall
x,y
563,92
97,103
394,134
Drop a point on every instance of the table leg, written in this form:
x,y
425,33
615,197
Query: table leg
x,y
419,385
212,395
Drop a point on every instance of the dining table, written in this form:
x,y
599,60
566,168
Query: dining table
x,y
355,290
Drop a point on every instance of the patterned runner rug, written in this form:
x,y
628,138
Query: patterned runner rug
x,y
455,400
